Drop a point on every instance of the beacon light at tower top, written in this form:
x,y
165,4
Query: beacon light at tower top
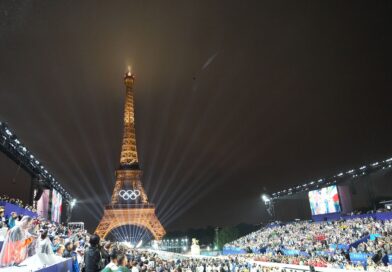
x,y
335,179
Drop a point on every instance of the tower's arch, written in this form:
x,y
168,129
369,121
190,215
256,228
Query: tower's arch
x,y
130,233
143,217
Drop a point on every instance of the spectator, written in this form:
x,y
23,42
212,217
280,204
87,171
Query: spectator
x,y
2,217
74,255
68,249
92,257
122,263
12,220
15,246
56,243
60,250
44,244
105,253
113,265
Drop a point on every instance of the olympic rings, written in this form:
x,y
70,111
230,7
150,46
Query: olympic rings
x,y
129,194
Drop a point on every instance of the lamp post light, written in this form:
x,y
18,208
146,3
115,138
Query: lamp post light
x,y
269,203
71,205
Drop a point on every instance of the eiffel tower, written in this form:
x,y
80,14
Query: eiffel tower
x,y
129,204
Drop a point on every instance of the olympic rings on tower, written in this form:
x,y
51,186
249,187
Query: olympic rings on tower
x,y
129,194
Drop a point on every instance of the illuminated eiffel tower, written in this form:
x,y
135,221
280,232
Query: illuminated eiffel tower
x,y
129,204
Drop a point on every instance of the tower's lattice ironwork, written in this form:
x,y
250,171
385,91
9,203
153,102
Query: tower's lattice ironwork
x,y
129,204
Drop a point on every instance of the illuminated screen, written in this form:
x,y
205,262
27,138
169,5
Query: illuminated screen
x,y
325,200
56,206
43,205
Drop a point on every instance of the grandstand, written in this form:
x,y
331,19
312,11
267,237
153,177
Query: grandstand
x,y
362,189
346,222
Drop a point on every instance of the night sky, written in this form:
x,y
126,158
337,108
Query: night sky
x,y
233,98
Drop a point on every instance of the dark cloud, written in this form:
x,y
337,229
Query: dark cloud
x,y
290,91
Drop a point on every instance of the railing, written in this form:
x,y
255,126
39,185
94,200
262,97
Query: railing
x,y
9,208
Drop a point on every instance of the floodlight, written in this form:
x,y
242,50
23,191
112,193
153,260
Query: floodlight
x,y
265,198
73,203
139,244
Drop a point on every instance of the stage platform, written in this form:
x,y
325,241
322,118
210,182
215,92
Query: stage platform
x,y
32,264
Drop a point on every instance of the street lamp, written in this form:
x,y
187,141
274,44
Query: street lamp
x,y
70,205
268,202
73,203
266,198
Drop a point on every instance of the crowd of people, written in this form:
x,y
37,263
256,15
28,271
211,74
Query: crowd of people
x,y
30,237
318,244
30,240
323,244
146,261
44,241
22,237
18,202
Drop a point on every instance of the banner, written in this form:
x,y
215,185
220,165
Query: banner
x,y
233,250
43,204
57,201
359,258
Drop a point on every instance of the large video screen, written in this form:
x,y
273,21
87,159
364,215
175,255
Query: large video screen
x,y
57,202
43,204
324,200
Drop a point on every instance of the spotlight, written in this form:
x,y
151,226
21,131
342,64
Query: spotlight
x,y
265,198
139,244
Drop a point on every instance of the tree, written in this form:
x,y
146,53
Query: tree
x,y
226,235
